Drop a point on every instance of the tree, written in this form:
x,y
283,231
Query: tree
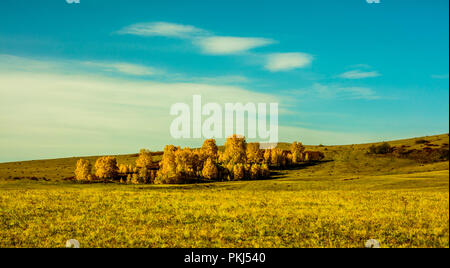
x,y
267,154
210,170
135,179
83,170
254,154
144,175
255,171
129,178
265,172
297,149
123,169
106,167
238,172
185,163
169,170
168,166
276,157
209,149
145,159
235,150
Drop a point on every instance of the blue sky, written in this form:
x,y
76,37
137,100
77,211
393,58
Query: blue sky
x,y
98,77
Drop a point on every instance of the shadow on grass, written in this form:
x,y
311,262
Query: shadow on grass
x,y
279,173
275,173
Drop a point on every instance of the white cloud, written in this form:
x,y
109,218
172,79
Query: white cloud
x,y
126,68
207,41
440,76
162,29
358,74
64,112
334,91
222,45
225,79
287,61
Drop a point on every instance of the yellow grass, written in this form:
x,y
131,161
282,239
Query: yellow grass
x,y
341,202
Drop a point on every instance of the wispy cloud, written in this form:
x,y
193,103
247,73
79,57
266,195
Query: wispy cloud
x,y
222,45
212,44
129,70
162,29
205,40
126,68
224,79
68,112
439,76
335,91
358,74
287,61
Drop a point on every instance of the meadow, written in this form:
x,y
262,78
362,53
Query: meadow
x,y
342,201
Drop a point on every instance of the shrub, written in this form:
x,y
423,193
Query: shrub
x,y
313,156
383,148
106,167
421,141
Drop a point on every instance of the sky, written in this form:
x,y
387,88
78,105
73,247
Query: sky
x,y
99,77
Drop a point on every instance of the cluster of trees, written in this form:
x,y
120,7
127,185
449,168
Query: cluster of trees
x,y
239,160
106,167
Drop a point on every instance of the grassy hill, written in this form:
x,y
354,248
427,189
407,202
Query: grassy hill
x,y
346,159
342,201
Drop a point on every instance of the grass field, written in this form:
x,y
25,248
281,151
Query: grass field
x,y
340,202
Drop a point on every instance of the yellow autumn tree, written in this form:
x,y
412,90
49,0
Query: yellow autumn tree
x,y
276,157
123,169
235,150
144,176
267,154
106,167
209,149
254,154
210,170
83,170
255,171
265,172
167,172
297,149
238,172
134,179
185,163
145,159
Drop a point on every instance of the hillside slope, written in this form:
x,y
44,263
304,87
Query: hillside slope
x,y
340,160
